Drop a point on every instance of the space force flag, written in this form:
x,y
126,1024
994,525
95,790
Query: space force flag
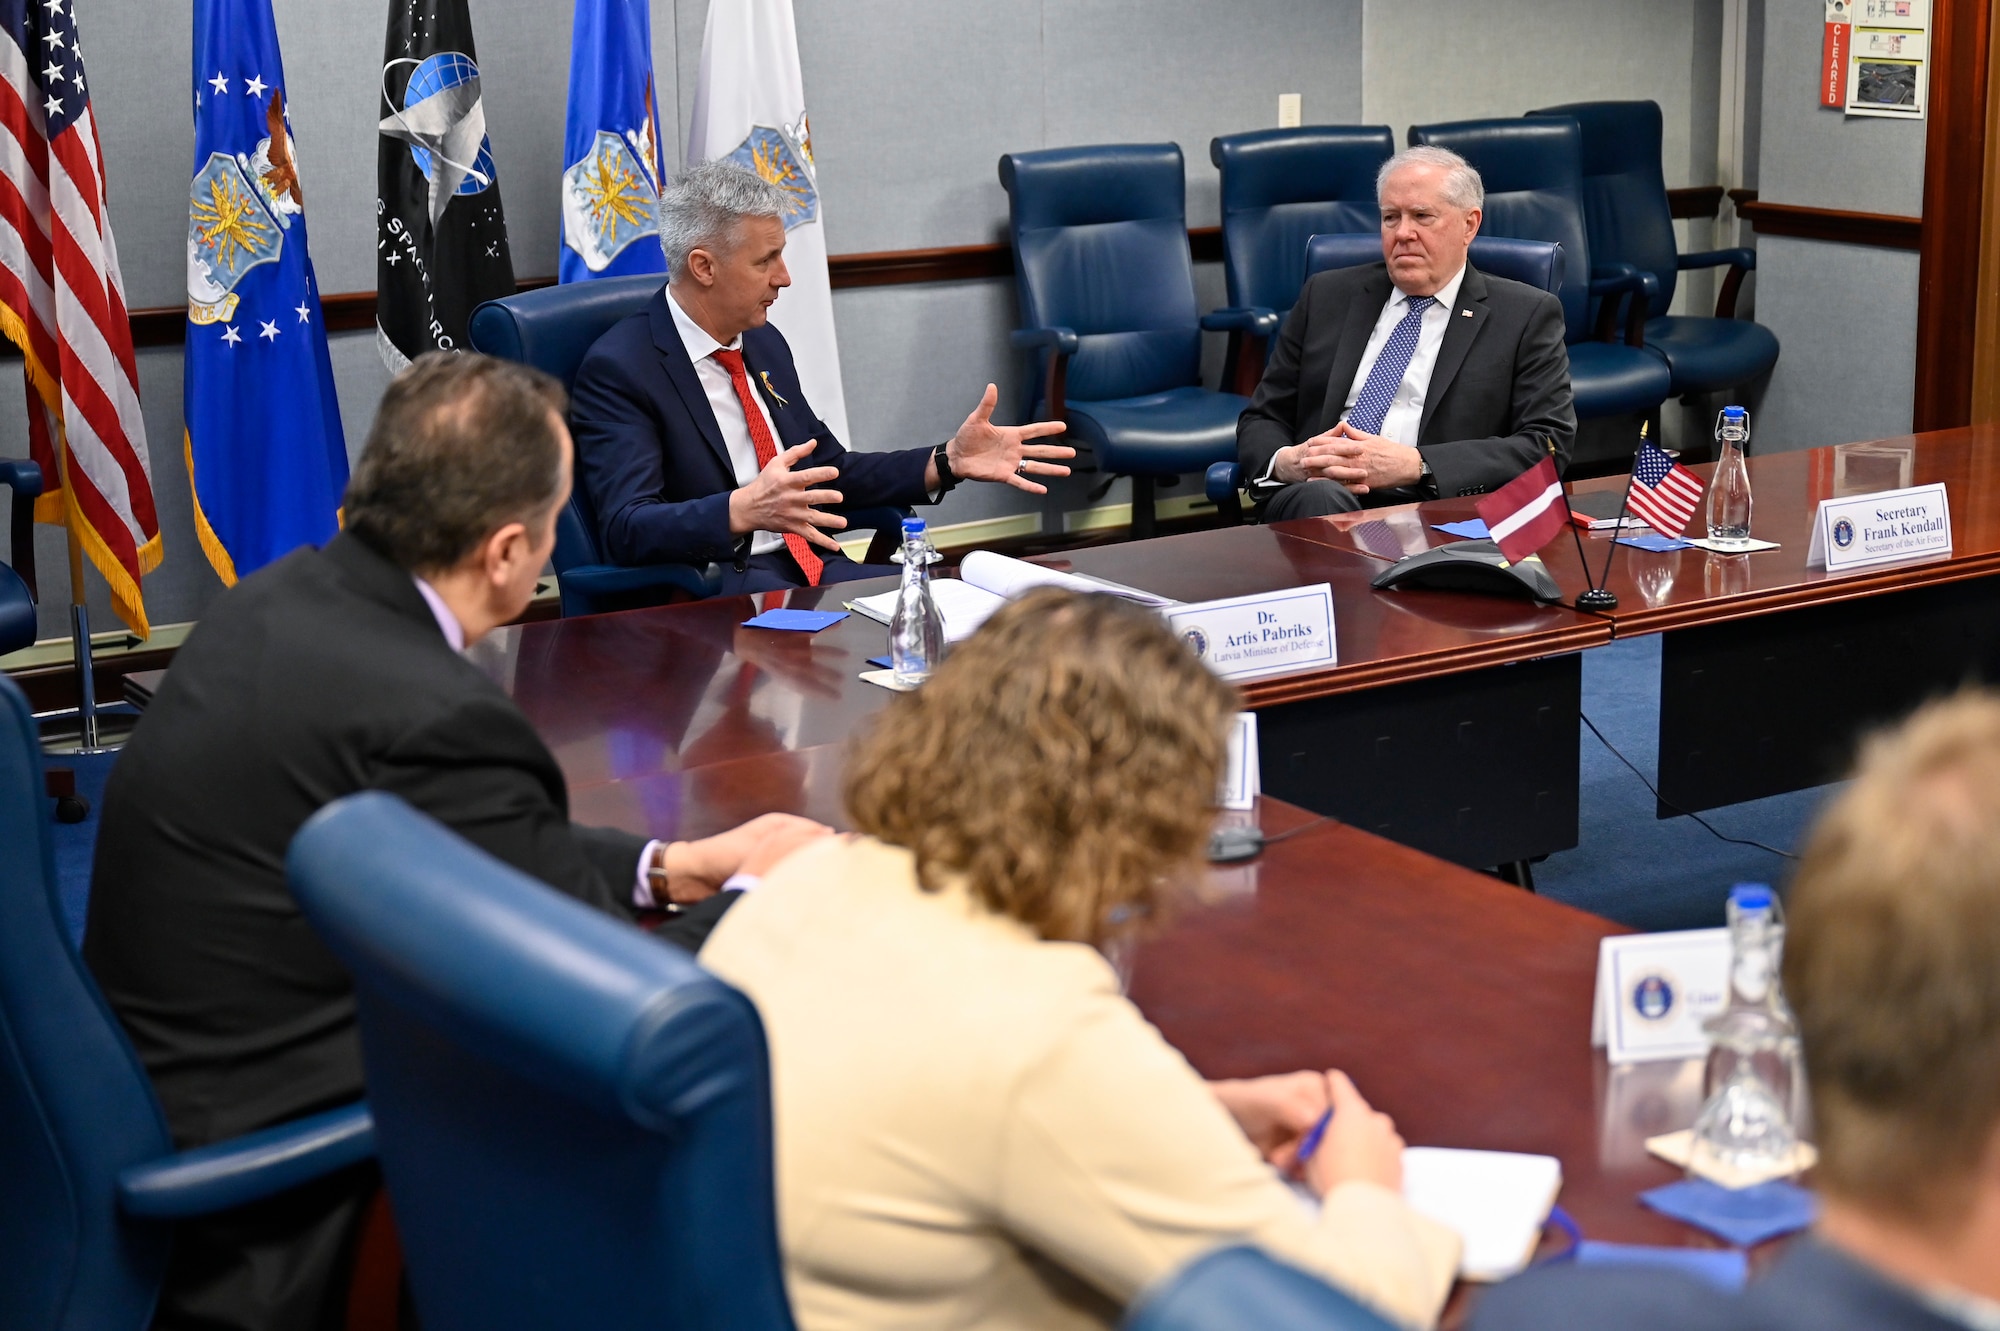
x,y
62,304
750,107
611,188
1527,512
266,458
441,240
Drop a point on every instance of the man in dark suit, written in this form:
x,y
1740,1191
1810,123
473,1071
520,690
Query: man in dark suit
x,y
1413,378
695,443
1892,963
333,671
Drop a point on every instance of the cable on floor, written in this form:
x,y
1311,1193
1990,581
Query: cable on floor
x,y
1654,790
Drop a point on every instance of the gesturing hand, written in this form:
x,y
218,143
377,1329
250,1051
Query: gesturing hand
x,y
983,451
783,500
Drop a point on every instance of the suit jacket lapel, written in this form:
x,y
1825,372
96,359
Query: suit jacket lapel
x,y
1362,312
1461,328
680,373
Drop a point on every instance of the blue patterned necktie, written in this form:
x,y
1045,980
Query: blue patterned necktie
x,y
1387,374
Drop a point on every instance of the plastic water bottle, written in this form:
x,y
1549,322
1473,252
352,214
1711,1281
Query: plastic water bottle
x,y
916,632
1729,488
1753,1081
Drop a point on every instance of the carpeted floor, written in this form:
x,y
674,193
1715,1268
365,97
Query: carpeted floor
x,y
75,842
1639,870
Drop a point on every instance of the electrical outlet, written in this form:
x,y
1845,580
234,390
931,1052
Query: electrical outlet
x,y
1288,110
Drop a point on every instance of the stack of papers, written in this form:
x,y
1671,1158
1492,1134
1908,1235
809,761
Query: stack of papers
x,y
1495,1201
987,581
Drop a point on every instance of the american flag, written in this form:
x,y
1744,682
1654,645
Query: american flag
x,y
62,302
1664,493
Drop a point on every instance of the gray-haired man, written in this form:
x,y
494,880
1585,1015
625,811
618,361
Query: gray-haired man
x,y
694,441
1413,378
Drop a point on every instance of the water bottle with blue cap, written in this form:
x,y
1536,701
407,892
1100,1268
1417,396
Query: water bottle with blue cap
x,y
1754,1083
1729,488
916,631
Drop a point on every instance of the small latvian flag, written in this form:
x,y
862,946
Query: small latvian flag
x,y
1527,512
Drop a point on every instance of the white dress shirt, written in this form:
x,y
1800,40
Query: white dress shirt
x,y
728,408
1406,409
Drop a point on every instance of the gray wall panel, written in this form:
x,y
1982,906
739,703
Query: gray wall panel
x,y
1123,71
1819,158
1847,318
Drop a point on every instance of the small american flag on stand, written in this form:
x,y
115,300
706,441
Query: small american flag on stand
x,y
1664,493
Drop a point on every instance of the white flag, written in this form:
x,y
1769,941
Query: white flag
x,y
750,107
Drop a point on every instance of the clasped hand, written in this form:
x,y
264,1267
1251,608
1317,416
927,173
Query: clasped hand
x,y
1359,461
1276,1114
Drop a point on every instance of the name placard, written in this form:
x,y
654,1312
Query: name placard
x,y
1242,776
1655,990
1271,633
1880,528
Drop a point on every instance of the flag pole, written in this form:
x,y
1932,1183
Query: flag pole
x,y
79,637
1602,597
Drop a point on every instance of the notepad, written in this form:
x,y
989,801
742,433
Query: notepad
x,y
1496,1201
987,581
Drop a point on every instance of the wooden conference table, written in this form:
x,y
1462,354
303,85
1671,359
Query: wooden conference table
x,y
1770,670
1414,734
1460,1005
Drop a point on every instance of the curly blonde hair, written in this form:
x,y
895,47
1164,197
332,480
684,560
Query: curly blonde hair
x,y
1063,760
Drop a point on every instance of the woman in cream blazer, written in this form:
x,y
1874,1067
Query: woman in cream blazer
x,y
975,1129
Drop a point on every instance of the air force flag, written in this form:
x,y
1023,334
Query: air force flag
x,y
750,107
611,189
265,455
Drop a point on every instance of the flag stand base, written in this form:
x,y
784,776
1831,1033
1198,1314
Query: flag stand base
x,y
86,686
1597,598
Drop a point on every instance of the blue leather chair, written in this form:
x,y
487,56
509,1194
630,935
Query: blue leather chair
x,y
1107,291
1629,220
1539,263
17,583
1533,172
574,1120
552,329
92,1184
1243,1289
1280,187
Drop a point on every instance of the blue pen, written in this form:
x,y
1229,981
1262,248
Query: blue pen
x,y
1311,1143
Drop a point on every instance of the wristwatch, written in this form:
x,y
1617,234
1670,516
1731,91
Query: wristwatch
x,y
1426,480
656,882
946,477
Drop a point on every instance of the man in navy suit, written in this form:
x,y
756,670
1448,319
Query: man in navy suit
x,y
1892,963
694,442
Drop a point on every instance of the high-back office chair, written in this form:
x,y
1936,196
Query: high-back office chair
x,y
1629,220
574,1120
1280,187
1107,290
1243,1289
1539,263
1533,172
17,576
91,1181
552,329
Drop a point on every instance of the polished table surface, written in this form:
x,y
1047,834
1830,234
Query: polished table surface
x,y
1658,592
1460,1005
684,686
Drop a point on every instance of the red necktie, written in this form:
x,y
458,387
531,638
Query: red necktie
x,y
767,448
